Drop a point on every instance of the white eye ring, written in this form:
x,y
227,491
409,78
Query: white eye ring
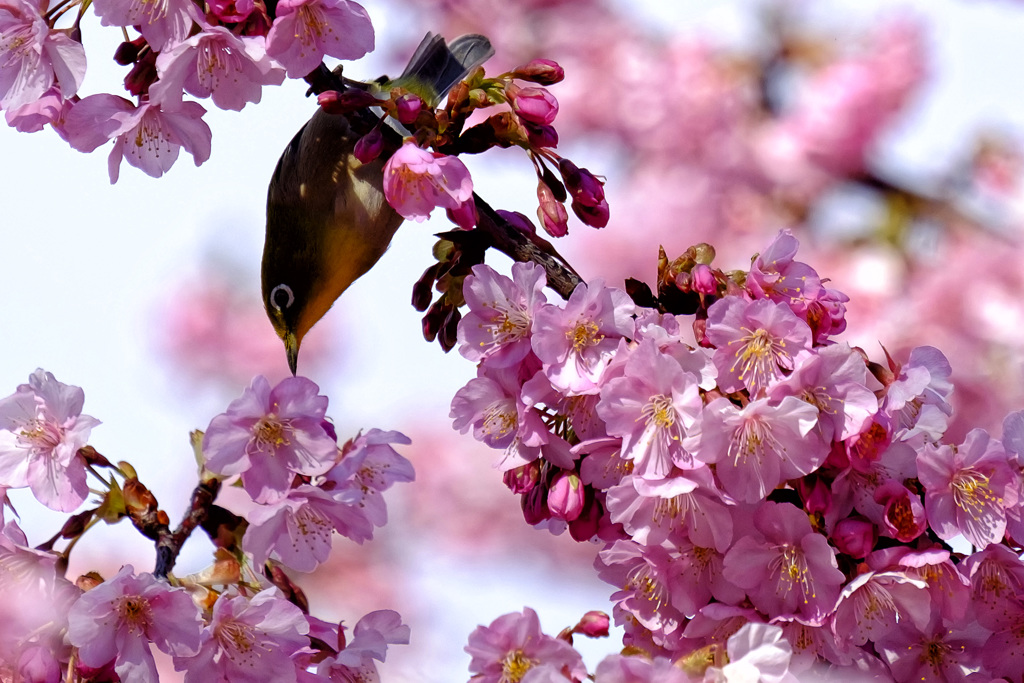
x,y
273,297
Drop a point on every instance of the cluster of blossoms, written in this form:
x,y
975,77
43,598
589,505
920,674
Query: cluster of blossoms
x,y
290,486
747,468
222,49
418,180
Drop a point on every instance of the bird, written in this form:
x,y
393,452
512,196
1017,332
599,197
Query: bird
x,y
328,222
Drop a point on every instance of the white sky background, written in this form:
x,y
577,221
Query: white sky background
x,y
82,263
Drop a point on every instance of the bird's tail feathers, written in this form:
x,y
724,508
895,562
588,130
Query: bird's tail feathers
x,y
441,65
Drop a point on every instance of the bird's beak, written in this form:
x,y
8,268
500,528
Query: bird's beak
x,y
291,347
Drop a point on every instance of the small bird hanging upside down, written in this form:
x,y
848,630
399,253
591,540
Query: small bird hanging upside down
x,y
327,219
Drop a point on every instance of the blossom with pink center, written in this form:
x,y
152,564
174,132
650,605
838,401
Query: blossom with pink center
x,y
370,639
149,136
248,640
997,581
270,435
871,604
932,652
918,400
119,619
577,342
297,530
786,568
163,24
499,323
949,589
755,342
652,406
41,430
416,181
968,489
304,31
513,646
775,275
684,504
651,587
903,516
494,406
215,62
757,654
370,464
835,380
34,58
759,446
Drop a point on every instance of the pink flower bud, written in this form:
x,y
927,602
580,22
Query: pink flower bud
x,y
407,108
703,279
542,71
522,479
535,509
594,216
551,212
816,494
369,146
854,537
518,221
540,135
533,104
464,215
345,102
566,496
594,624
231,11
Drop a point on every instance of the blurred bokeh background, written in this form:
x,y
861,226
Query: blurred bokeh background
x,y
886,135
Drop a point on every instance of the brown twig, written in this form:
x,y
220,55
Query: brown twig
x,y
168,543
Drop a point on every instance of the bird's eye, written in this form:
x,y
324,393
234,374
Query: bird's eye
x,y
280,302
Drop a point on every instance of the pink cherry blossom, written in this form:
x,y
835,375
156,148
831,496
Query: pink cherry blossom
x,y
786,568
119,619
270,435
248,640
577,342
918,400
775,275
215,62
297,529
759,446
50,109
871,604
834,379
932,652
968,489
162,24
652,589
757,653
148,136
755,341
41,430
513,645
34,57
499,323
685,504
652,407
416,181
304,31
494,406
370,640
639,669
